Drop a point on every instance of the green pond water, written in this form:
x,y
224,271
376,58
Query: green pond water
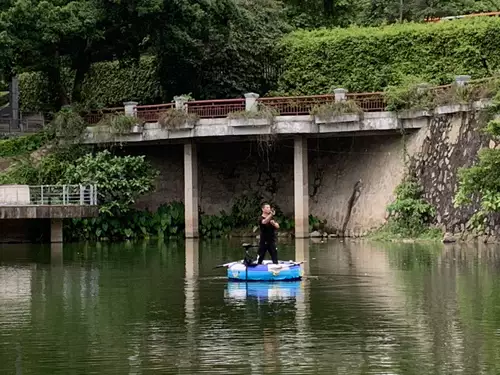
x,y
161,308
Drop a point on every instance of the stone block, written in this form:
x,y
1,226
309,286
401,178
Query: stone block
x,y
250,122
14,195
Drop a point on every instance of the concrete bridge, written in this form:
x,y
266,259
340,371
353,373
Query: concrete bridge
x,y
230,120
54,202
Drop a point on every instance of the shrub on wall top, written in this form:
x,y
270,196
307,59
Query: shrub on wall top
x,y
107,85
370,59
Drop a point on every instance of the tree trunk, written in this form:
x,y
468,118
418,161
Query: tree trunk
x,y
56,87
82,67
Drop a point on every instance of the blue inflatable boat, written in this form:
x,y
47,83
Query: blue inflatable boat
x,y
267,271
248,269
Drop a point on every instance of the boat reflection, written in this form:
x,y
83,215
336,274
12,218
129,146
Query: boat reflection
x,y
268,291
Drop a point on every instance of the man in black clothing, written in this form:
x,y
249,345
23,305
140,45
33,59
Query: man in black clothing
x,y
268,228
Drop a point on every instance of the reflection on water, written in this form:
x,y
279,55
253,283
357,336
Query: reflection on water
x,y
156,307
263,291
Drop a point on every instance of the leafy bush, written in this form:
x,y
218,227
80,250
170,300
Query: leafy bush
x,y
175,118
412,93
481,182
4,98
372,58
215,225
119,123
326,111
246,209
120,180
262,111
167,221
409,215
68,124
24,144
107,85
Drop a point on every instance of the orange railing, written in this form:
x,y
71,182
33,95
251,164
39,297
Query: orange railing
x,y
215,108
95,116
151,113
296,105
369,102
450,18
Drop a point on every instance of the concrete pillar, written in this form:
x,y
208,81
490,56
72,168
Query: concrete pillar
x,y
191,190
462,80
56,230
251,101
340,95
301,187
130,109
180,102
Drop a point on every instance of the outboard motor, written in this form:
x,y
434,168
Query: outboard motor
x,y
250,259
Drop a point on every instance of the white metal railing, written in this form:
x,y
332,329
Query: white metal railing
x,y
42,195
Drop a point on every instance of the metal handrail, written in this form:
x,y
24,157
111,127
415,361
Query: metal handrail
x,y
48,195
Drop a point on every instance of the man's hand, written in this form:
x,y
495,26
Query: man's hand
x,y
267,219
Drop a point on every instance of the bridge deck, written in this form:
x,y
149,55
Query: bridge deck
x,y
48,201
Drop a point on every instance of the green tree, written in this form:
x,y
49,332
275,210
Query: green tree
x,y
120,180
317,13
47,36
480,183
218,49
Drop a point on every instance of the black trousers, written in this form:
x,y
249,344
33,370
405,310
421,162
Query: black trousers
x,y
268,246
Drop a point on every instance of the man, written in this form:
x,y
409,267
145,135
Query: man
x,y
268,228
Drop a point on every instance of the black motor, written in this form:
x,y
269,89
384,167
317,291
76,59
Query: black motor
x,y
250,259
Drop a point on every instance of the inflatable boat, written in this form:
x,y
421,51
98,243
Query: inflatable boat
x,y
248,269
267,271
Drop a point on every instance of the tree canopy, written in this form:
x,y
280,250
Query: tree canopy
x,y
207,48
47,36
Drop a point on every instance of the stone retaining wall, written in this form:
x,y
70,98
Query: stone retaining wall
x,y
227,170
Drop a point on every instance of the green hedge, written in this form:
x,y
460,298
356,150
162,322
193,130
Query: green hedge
x,y
107,85
22,145
369,59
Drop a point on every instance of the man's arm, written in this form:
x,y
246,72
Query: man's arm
x,y
275,224
267,219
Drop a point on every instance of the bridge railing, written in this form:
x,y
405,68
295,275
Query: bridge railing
x,y
48,195
295,105
95,116
215,108
151,113
283,106
21,125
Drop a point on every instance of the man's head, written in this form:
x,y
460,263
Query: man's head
x,y
266,208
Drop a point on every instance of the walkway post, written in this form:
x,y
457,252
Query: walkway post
x,y
191,190
301,187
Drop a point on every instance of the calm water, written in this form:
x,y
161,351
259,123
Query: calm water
x,y
156,308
